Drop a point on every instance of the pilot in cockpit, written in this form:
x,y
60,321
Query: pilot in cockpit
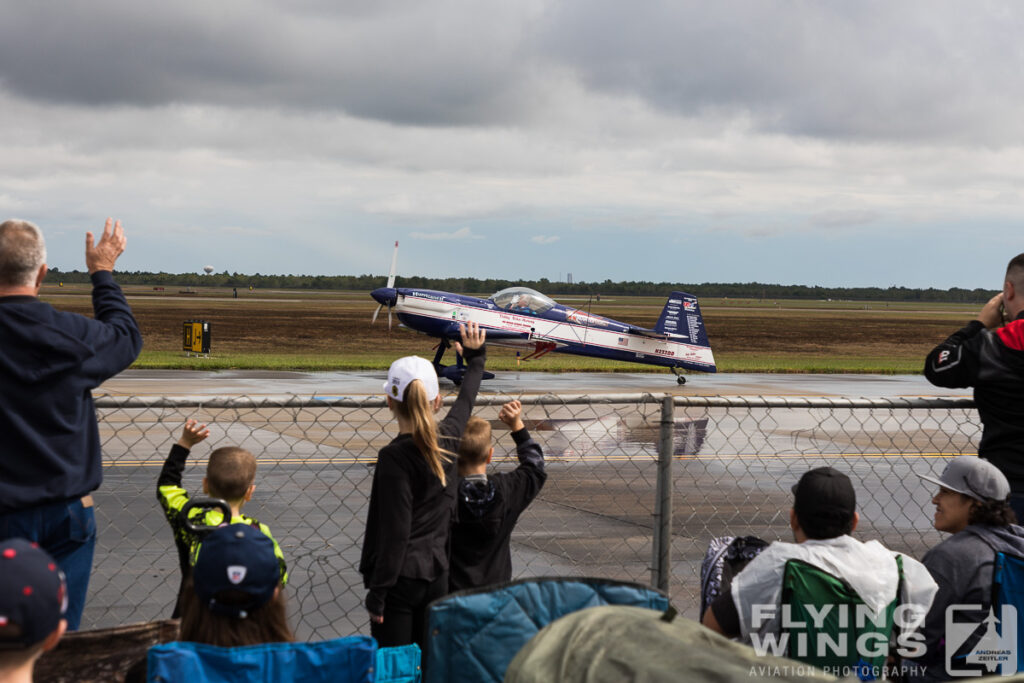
x,y
522,303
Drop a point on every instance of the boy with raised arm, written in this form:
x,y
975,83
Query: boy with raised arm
x,y
230,476
490,505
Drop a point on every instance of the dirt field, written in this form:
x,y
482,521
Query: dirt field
x,y
338,323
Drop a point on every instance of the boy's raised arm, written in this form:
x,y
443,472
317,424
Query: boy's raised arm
x,y
168,484
528,479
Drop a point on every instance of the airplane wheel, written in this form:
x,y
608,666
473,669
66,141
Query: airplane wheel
x,y
680,380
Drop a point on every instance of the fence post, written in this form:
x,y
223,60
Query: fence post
x,y
662,542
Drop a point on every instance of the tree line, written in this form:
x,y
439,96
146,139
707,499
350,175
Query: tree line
x,y
469,285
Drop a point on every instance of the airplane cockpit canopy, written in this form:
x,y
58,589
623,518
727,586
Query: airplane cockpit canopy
x,y
522,300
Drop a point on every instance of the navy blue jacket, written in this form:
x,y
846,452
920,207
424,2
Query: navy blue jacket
x,y
50,361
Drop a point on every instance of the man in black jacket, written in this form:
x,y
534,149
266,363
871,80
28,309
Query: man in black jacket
x,y
989,356
489,506
50,361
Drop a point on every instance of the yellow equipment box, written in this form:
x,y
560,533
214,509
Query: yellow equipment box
x,y
195,337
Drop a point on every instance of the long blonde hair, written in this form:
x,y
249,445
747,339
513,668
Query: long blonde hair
x,y
417,409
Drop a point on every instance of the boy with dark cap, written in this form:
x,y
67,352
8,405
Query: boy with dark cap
x,y
490,505
822,517
33,599
230,476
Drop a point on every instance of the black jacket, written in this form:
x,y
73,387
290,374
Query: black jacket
x,y
50,361
488,511
408,523
991,361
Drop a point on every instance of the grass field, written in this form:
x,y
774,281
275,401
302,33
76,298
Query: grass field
x,y
331,330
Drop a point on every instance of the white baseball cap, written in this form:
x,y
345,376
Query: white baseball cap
x,y
405,370
974,477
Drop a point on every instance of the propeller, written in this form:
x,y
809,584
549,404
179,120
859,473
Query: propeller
x,y
387,295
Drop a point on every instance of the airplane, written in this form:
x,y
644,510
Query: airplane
x,y
525,319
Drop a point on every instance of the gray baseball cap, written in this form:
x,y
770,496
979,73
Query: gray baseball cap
x,y
974,477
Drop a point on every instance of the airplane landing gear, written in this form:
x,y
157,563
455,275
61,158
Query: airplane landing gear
x,y
680,379
442,346
452,372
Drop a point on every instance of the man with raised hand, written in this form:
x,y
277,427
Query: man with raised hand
x,y
988,354
50,361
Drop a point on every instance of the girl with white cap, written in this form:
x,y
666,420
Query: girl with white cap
x,y
405,548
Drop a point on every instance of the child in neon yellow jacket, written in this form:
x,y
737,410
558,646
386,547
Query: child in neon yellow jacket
x,y
230,476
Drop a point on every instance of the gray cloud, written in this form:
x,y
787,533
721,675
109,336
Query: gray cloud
x,y
866,70
448,62
913,70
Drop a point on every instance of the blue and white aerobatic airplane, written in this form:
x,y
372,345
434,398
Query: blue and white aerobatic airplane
x,y
523,318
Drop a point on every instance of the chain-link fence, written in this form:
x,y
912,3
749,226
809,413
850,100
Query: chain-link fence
x,y
637,485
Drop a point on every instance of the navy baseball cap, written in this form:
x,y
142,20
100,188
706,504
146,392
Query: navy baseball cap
x,y
824,493
33,594
236,570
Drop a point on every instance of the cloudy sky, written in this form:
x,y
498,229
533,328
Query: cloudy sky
x,y
818,142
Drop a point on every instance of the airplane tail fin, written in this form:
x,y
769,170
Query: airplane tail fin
x,y
681,316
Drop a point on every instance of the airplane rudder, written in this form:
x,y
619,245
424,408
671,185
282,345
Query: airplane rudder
x,y
682,315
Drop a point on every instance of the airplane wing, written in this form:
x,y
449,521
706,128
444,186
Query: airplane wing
x,y
452,332
496,335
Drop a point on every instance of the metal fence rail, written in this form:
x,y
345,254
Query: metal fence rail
x,y
638,484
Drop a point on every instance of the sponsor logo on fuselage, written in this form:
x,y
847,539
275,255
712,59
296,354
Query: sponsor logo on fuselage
x,y
581,318
424,295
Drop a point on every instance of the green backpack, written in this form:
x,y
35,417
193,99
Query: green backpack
x,y
829,626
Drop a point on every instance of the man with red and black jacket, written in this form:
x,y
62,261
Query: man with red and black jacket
x,y
989,356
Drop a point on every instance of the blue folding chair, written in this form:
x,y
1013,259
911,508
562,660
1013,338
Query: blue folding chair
x,y
353,659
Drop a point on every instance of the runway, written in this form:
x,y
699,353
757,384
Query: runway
x,y
262,383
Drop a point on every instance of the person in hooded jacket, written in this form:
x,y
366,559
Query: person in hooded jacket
x,y
50,361
971,504
490,505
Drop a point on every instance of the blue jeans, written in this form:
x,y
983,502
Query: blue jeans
x,y
68,532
